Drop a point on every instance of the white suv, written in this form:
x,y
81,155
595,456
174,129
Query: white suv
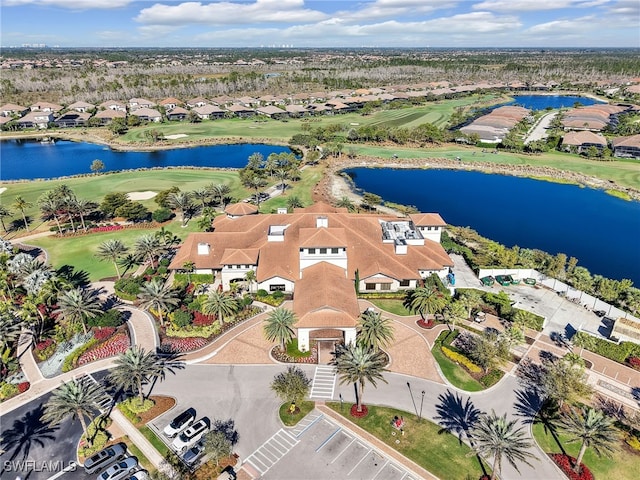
x,y
192,434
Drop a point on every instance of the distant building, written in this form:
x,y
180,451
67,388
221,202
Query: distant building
x,y
626,147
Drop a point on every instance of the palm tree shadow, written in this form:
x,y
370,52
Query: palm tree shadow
x,y
78,278
458,417
534,408
27,431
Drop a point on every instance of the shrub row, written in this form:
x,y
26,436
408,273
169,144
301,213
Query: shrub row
x,y
613,351
8,390
461,359
491,378
72,359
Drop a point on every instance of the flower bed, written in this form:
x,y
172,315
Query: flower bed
x,y
634,362
565,462
44,349
182,345
359,414
280,356
107,228
103,333
113,346
429,324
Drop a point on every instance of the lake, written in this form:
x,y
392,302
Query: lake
x,y
30,159
601,231
540,102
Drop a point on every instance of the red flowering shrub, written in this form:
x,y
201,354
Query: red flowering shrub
x,y
566,463
355,413
107,228
634,362
182,345
23,386
113,346
103,333
40,346
202,320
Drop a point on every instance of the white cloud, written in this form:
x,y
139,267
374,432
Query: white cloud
x,y
229,13
534,5
564,27
70,4
393,8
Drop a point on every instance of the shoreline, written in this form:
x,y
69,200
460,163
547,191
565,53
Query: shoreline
x,y
543,173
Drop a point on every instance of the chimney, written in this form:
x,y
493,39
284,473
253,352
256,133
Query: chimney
x,y
203,249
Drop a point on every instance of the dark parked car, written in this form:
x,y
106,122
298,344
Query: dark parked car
x,y
195,453
105,457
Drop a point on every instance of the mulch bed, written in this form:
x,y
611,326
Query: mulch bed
x,y
428,325
356,413
162,404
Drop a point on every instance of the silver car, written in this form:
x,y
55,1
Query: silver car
x,y
105,457
120,470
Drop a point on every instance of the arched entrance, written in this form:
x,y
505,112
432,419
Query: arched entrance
x,y
326,338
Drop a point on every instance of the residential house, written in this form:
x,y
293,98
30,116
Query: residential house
x,y
296,110
626,147
81,106
72,118
12,110
493,127
209,112
35,119
108,116
241,110
272,111
223,101
45,107
137,103
148,114
581,141
113,105
318,254
197,102
248,102
169,103
177,113
4,121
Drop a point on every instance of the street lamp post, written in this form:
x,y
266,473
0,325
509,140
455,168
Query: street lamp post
x,y
421,404
415,407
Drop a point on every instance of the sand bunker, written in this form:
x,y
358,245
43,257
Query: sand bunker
x,y
176,136
3,189
141,195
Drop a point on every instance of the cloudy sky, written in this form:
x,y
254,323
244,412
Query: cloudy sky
x,y
330,23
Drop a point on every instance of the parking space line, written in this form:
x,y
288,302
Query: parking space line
x,y
344,450
71,467
328,439
361,460
381,469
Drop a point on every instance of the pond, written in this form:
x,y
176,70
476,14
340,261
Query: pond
x,y
30,159
601,231
540,102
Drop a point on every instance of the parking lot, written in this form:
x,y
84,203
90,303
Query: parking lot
x,y
328,450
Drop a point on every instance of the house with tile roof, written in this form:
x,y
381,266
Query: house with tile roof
x,y
582,140
109,115
317,254
81,106
626,147
11,109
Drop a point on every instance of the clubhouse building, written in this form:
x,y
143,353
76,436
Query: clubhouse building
x,y
317,254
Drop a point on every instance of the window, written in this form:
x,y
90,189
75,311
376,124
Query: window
x,y
323,251
385,286
370,286
276,287
436,228
405,283
335,250
312,251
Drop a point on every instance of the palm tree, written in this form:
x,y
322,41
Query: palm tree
x,y
77,305
4,212
49,207
425,300
593,429
202,195
135,368
155,295
374,331
83,207
147,247
255,182
10,328
497,437
452,313
294,202
220,305
282,174
345,202
189,267
277,327
181,201
470,299
219,192
112,250
250,277
21,204
74,398
357,364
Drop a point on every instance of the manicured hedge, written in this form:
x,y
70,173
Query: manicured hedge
x,y
616,352
461,359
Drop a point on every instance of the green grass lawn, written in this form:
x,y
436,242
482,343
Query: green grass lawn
x,y
96,187
79,251
302,189
455,374
624,465
437,112
291,420
391,305
154,440
440,453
